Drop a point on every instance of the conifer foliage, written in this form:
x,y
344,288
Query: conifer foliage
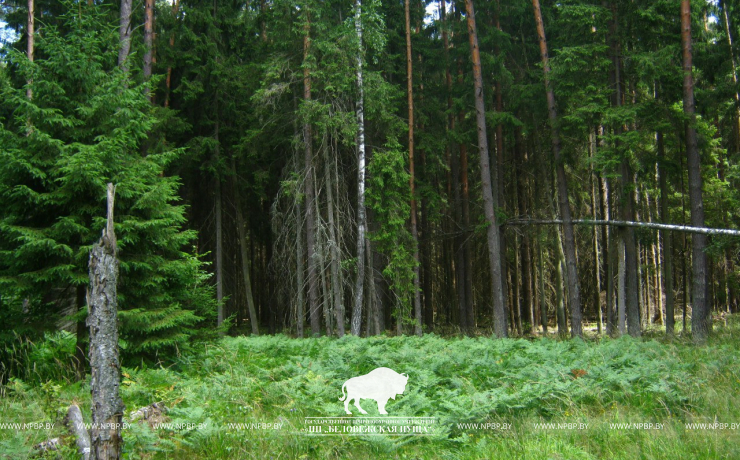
x,y
84,127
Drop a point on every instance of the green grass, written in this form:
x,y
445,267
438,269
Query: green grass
x,y
517,383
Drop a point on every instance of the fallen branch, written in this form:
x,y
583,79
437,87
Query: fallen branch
x,y
626,223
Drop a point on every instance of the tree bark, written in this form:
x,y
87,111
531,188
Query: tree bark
x,y
148,41
493,230
700,318
168,80
30,39
242,235
124,34
313,300
336,282
667,237
574,289
360,113
105,366
414,230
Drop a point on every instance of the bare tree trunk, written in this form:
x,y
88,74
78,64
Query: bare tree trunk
x,y
313,301
300,311
414,230
168,80
219,228
148,41
30,38
543,304
597,265
493,230
701,315
524,257
361,223
574,290
124,34
336,282
622,289
560,298
242,234
105,366
726,22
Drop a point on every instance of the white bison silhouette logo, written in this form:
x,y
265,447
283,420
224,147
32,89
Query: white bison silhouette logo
x,y
380,385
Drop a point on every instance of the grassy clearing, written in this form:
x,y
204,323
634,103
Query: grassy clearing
x,y
579,390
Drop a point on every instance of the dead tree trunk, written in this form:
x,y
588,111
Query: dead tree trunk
x,y
105,367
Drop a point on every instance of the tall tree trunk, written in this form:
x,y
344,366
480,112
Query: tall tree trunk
x,y
597,265
300,280
700,318
336,282
105,366
628,253
148,41
242,235
493,230
359,285
726,22
543,304
168,79
414,230
219,230
560,298
521,185
30,39
574,290
124,34
622,288
313,298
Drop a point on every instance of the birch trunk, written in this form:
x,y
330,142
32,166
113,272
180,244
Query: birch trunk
x,y
359,285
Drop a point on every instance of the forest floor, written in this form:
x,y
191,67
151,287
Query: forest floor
x,y
276,397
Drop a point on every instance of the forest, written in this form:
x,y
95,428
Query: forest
x,y
434,175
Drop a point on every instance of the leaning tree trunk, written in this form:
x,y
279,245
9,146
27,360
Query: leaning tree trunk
x,y
105,366
414,230
493,231
569,240
359,285
700,324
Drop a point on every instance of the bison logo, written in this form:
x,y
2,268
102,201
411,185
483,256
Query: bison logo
x,y
380,385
